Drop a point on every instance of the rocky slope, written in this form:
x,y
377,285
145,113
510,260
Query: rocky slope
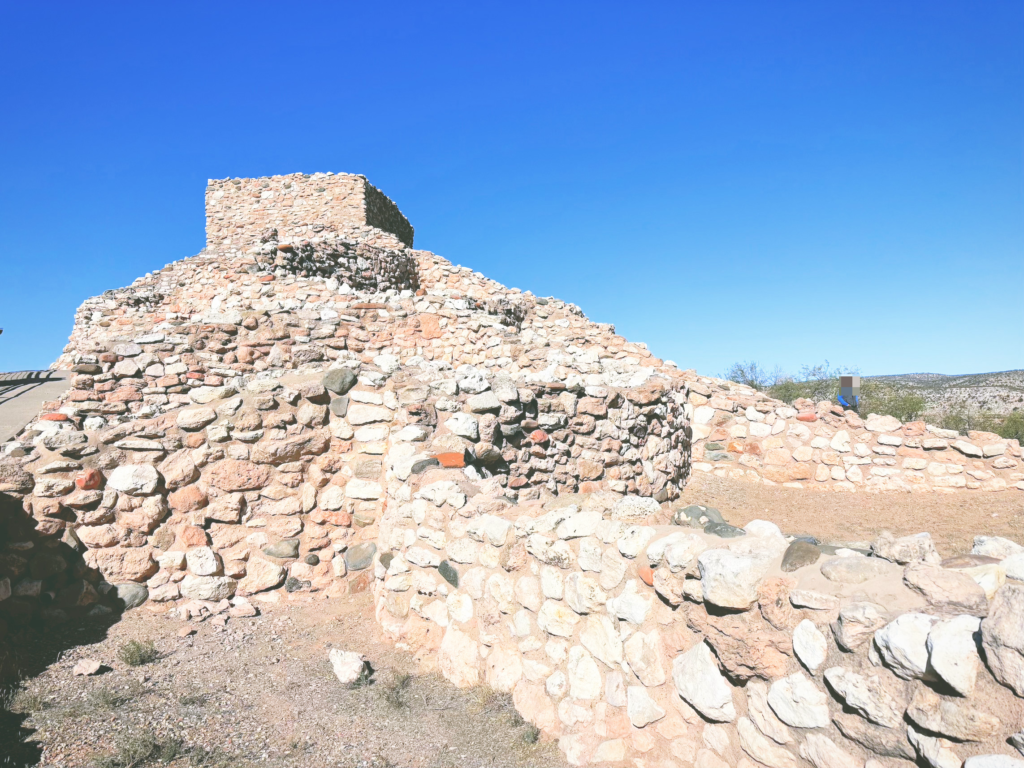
x,y
999,392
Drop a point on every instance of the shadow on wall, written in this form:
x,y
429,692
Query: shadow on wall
x,y
50,601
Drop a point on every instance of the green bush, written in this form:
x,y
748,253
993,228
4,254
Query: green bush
x,y
890,400
753,375
135,654
1012,427
964,419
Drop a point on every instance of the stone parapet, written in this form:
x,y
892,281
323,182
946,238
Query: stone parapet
x,y
743,434
242,214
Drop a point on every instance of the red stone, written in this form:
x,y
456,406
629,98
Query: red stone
x,y
54,417
646,574
191,536
368,305
361,583
518,482
188,499
430,327
539,436
124,395
267,279
335,517
735,447
451,460
807,417
89,479
193,375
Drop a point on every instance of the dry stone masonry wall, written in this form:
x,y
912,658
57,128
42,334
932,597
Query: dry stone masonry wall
x,y
744,434
299,206
294,415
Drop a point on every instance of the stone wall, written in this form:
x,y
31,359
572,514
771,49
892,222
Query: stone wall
x,y
743,434
498,469
636,642
241,213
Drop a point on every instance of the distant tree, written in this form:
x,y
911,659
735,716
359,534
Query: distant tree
x,y
815,382
965,417
753,375
787,391
888,399
1012,426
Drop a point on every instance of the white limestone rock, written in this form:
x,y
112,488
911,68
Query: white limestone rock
x,y
953,652
134,479
799,702
557,619
584,676
810,645
631,606
634,509
1002,635
583,594
730,580
822,752
601,638
349,667
643,652
701,684
903,644
641,708
763,749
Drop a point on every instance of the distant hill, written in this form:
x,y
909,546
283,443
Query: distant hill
x,y
1000,392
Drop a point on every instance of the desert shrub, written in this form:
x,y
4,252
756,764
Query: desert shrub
x,y
394,690
814,382
97,700
1012,426
753,375
965,418
142,749
888,399
135,654
129,752
530,734
25,702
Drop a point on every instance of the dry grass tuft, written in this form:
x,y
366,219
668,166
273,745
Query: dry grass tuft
x,y
394,690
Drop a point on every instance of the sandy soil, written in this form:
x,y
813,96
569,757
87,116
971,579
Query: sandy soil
x,y
261,691
953,519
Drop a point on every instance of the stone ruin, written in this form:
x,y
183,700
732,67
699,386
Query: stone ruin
x,y
311,408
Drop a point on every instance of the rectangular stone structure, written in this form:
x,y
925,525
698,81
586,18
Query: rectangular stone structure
x,y
240,213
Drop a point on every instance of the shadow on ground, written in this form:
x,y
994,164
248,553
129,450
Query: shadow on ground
x,y
49,611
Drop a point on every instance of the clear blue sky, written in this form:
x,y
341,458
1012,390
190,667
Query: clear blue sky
x,y
784,182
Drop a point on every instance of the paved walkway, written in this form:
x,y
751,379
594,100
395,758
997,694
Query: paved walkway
x,y
22,395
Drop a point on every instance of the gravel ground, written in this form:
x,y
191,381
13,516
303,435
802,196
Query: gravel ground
x,y
953,519
256,692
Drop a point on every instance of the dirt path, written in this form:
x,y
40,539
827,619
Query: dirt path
x,y
953,519
260,691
